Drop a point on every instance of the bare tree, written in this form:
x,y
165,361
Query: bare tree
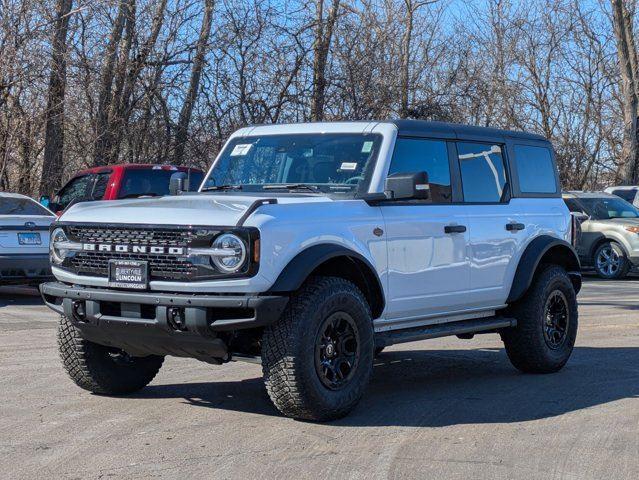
x,y
321,47
627,56
181,132
54,137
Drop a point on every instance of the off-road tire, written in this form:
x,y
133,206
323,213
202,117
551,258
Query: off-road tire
x,y
526,345
289,351
624,264
94,368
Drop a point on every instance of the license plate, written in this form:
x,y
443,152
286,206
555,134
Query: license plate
x,y
30,238
128,274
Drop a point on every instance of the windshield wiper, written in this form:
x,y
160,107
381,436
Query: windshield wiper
x,y
222,187
138,195
291,186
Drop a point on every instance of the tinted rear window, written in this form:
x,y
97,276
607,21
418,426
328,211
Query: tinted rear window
x,y
21,206
628,194
146,181
535,169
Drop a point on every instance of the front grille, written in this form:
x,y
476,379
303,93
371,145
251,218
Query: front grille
x,y
131,236
161,266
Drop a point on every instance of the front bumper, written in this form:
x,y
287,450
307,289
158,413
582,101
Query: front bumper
x,y
144,323
24,268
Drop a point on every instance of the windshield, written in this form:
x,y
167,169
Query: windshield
x,y
606,208
334,163
21,206
140,182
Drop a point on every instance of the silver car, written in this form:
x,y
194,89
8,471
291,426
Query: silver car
x,y
24,240
609,239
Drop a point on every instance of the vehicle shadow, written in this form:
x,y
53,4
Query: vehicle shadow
x,y
19,295
449,387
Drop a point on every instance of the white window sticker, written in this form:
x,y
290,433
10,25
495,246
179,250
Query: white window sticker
x,y
367,147
348,166
241,149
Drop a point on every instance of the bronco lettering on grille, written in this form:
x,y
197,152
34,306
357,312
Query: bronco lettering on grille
x,y
153,250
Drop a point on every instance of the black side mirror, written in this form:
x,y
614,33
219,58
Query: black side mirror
x,y
408,186
178,183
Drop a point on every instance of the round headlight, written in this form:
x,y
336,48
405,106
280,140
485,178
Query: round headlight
x,y
58,254
231,255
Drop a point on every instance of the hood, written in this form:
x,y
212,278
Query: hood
x,y
620,221
196,209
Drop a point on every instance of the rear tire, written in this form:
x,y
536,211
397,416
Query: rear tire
x,y
101,369
610,261
547,322
318,358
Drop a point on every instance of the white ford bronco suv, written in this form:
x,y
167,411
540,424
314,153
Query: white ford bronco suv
x,y
311,247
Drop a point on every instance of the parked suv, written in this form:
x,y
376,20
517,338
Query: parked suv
x,y
609,239
115,182
311,246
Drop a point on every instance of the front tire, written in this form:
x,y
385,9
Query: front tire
x,y
610,261
547,322
318,358
101,369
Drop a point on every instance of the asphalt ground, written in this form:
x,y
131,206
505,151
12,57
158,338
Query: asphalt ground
x,y
437,409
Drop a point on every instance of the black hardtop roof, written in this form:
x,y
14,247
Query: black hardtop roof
x,y
457,130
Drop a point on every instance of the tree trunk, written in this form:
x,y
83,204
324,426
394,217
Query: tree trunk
x,y
182,129
321,48
405,60
52,171
626,52
103,124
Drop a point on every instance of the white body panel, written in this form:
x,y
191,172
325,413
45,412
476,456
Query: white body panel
x,y
13,225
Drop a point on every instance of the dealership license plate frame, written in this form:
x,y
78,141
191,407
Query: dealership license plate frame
x,y
29,239
129,274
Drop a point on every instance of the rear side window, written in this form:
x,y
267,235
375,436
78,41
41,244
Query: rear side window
x,y
22,207
482,171
430,156
628,194
573,205
535,169
101,183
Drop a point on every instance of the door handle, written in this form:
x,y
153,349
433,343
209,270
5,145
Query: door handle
x,y
454,229
513,227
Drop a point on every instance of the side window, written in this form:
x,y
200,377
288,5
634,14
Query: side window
x,y
573,206
535,169
77,190
482,172
628,194
430,156
101,184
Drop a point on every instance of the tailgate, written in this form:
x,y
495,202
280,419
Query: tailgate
x,y
20,235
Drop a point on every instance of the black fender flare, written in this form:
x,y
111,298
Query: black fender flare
x,y
557,251
305,262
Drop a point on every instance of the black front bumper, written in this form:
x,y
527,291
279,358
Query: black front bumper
x,y
24,268
143,323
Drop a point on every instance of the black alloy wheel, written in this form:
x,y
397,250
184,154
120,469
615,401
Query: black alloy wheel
x,y
337,350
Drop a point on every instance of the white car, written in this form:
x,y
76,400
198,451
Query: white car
x,y
310,247
24,240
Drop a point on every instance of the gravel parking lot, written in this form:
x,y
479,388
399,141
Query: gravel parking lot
x,y
444,408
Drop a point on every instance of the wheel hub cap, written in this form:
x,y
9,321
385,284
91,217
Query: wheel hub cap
x,y
337,350
608,261
556,319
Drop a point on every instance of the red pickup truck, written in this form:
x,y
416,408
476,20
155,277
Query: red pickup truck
x,y
121,181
